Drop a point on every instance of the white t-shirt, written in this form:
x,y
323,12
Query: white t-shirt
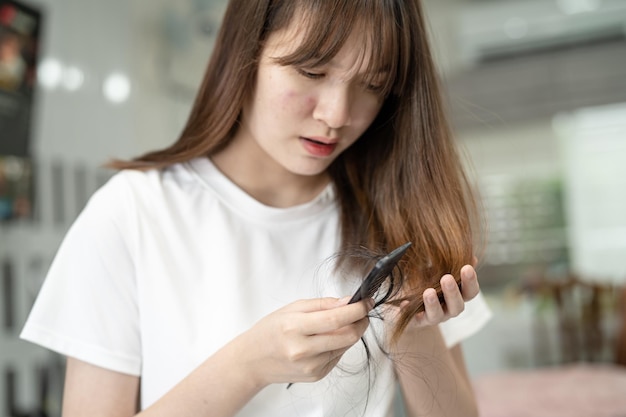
x,y
163,268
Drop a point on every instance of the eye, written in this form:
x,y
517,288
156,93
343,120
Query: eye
x,y
310,74
374,88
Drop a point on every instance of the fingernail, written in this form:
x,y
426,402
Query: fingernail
x,y
466,273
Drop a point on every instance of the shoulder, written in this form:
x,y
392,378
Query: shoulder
x,y
151,180
128,188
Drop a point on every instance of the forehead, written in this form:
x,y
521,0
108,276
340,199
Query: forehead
x,y
313,33
301,42
292,41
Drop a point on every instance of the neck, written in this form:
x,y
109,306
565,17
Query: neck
x,y
266,181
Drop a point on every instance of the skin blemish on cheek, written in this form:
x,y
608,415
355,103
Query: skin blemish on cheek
x,y
294,99
291,94
288,98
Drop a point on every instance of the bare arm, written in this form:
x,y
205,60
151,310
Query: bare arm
x,y
215,388
97,392
300,342
433,377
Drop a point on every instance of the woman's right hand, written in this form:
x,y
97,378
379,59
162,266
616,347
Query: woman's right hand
x,y
303,341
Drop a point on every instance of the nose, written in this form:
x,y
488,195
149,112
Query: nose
x,y
333,106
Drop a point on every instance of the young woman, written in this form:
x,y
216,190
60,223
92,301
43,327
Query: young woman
x,y
206,277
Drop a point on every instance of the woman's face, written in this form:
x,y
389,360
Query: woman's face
x,y
300,119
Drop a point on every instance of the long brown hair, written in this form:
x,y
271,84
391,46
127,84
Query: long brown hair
x,y
403,179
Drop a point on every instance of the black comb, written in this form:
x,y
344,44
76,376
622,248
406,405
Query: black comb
x,y
379,273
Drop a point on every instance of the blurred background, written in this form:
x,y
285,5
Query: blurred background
x,y
537,96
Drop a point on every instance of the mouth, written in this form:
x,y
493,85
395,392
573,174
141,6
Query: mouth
x,y
319,147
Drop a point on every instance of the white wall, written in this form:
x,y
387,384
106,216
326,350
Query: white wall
x,y
593,144
76,131
172,44
92,36
531,149
443,20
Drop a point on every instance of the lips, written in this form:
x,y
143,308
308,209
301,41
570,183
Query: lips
x,y
319,147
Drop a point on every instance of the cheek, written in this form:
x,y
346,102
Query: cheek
x,y
309,102
366,114
296,103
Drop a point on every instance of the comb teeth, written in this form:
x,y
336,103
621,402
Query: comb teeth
x,y
383,268
376,283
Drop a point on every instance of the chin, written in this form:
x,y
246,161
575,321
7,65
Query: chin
x,y
312,170
302,173
307,166
308,173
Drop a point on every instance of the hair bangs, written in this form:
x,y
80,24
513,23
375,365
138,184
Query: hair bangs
x,y
325,26
381,45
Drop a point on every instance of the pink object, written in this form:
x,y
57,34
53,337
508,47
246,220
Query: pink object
x,y
581,390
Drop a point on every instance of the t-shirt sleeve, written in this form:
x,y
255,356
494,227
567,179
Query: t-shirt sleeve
x,y
87,306
476,314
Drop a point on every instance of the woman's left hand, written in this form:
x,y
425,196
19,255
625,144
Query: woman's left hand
x,y
455,298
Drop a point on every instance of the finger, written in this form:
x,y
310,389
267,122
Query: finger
x,y
433,312
340,339
327,321
316,304
469,282
452,295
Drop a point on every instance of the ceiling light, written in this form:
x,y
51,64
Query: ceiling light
x,y
116,88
